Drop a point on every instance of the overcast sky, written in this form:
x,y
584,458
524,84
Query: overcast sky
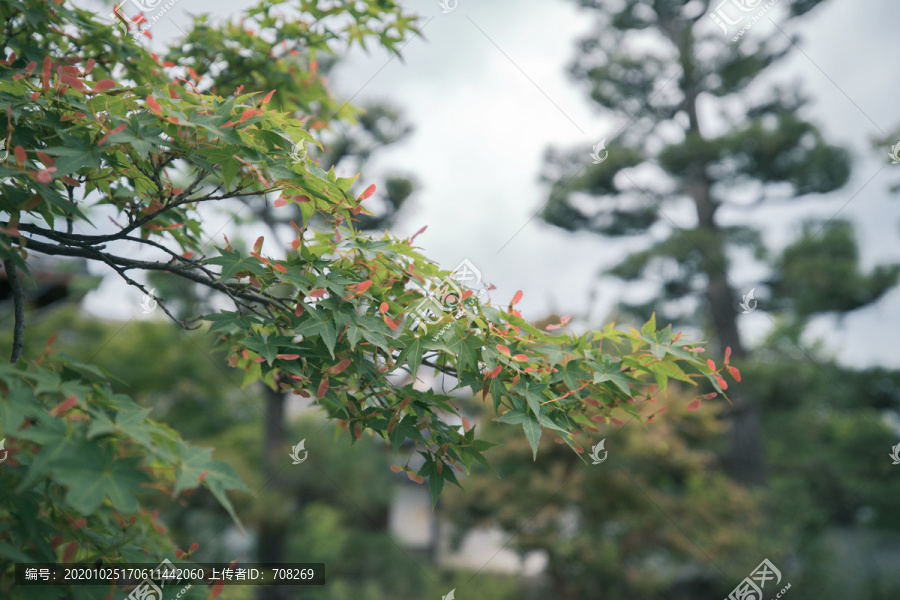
x,y
487,91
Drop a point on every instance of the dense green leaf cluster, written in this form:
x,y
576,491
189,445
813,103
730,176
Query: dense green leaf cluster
x,y
80,457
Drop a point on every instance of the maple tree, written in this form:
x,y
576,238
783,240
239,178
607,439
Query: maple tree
x,y
97,127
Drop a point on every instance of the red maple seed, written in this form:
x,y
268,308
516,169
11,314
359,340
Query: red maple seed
x,y
69,552
414,236
64,406
369,191
74,82
45,74
104,85
154,106
45,175
323,388
340,367
250,112
217,589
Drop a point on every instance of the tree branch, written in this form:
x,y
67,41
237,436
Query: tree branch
x,y
184,271
178,201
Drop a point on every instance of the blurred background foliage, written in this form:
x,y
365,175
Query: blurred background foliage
x,y
659,519
666,517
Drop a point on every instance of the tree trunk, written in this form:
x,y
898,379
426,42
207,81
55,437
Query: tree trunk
x,y
271,541
744,460
562,588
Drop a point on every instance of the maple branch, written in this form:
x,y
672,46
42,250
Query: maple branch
x,y
121,265
179,200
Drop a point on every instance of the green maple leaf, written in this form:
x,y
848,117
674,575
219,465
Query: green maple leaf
x,y
608,370
318,324
412,353
92,473
532,431
194,462
232,264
